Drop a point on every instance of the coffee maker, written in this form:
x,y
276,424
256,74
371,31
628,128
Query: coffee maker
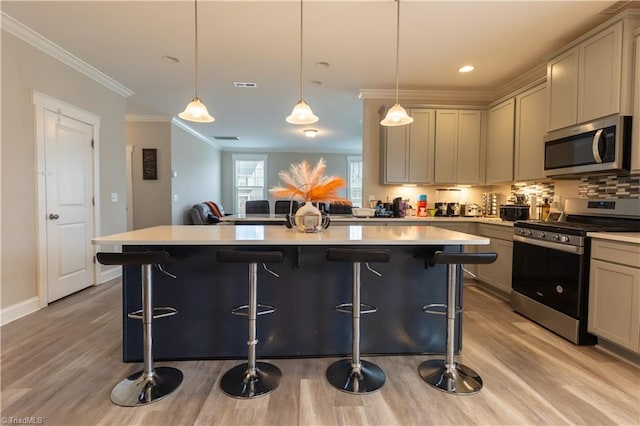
x,y
447,202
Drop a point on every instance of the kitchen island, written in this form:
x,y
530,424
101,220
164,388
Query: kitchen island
x,y
305,322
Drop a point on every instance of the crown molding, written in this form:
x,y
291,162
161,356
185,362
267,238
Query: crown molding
x,y
179,123
156,118
26,34
445,96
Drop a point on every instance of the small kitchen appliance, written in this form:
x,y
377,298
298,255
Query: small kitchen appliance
x,y
470,210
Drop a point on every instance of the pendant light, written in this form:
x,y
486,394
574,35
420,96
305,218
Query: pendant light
x,y
196,111
301,113
397,116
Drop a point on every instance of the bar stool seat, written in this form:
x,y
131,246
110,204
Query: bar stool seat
x,y
251,379
447,375
150,384
355,375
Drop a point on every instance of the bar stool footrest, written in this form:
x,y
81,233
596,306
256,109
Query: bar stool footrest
x,y
461,380
162,312
347,308
243,310
429,309
139,389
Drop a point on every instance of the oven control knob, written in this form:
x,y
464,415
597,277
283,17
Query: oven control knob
x,y
529,233
521,231
564,239
556,237
542,235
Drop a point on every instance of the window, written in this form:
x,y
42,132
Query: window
x,y
354,185
249,179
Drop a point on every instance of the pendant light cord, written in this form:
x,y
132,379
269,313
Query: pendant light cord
x,y
196,27
301,61
397,45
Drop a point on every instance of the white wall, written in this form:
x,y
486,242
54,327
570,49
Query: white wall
x,y
151,198
198,174
25,69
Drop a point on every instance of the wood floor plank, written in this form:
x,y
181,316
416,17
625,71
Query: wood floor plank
x,y
62,362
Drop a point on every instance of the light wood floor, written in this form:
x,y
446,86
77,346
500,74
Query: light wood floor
x,y
61,363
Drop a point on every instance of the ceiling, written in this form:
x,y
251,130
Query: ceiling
x,y
348,46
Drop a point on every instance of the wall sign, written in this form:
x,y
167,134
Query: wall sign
x,y
149,164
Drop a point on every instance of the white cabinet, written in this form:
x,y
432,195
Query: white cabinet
x,y
529,132
635,134
585,82
497,274
500,133
614,293
458,144
407,151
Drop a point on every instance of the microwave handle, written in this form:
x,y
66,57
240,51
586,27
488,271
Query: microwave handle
x,y
595,144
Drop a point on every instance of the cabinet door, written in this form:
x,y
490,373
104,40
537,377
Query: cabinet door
x,y
635,134
614,301
446,155
599,73
469,147
421,146
562,81
499,165
503,264
530,128
396,154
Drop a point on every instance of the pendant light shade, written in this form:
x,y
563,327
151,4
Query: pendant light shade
x,y
196,111
397,116
301,113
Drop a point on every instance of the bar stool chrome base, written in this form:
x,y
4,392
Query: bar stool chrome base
x,y
341,375
239,383
139,389
460,380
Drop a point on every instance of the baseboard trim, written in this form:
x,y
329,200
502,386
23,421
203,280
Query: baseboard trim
x,y
110,274
19,310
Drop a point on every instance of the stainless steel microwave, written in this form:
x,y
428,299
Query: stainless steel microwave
x,y
602,146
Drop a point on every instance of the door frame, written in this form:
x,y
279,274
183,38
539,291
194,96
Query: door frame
x,y
42,102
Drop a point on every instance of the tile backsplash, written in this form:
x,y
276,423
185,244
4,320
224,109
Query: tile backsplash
x,y
609,187
540,190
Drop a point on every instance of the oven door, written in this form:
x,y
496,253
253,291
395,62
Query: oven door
x,y
549,273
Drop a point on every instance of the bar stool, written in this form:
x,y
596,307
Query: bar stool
x,y
251,379
151,384
447,375
355,375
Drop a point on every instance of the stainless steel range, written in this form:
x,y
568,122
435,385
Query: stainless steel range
x,y
550,278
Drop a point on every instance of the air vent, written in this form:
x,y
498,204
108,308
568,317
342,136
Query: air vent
x,y
226,138
244,84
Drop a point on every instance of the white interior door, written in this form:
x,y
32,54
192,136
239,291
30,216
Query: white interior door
x,y
69,207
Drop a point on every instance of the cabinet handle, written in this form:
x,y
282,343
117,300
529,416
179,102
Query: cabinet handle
x,y
53,216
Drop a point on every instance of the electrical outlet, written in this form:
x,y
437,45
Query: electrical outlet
x,y
114,197
175,198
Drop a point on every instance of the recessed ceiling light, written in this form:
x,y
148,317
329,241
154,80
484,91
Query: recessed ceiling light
x,y
170,59
310,133
466,68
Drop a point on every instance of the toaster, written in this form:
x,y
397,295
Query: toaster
x,y
471,210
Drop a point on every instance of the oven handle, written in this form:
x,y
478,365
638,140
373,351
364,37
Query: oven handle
x,y
550,245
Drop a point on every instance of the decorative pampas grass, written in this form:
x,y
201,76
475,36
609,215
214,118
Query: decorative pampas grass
x,y
304,183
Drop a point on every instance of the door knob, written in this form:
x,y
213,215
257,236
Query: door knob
x,y
53,216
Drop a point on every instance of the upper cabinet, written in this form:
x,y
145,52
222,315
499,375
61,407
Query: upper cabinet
x,y
407,151
458,146
531,107
635,134
500,132
593,78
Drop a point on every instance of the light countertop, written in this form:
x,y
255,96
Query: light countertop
x,y
382,220
280,235
625,237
